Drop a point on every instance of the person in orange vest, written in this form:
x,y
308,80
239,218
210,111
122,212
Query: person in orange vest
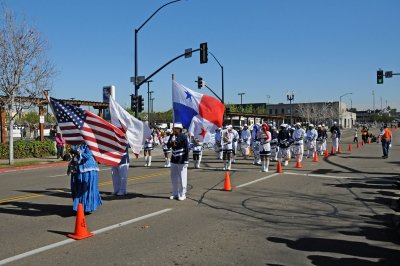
x,y
386,139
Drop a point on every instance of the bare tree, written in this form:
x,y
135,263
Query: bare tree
x,y
24,69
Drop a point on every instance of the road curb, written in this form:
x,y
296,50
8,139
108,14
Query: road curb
x,y
11,169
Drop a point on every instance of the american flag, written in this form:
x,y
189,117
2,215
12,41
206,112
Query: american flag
x,y
105,141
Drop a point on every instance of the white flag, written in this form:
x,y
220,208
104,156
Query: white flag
x,y
136,131
201,129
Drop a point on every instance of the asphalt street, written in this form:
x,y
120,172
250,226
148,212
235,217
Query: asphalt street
x,y
333,212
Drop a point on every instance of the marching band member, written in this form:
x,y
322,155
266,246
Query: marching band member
x,y
265,149
298,138
274,144
255,144
335,136
245,136
235,138
311,139
148,147
284,144
166,149
226,144
197,148
179,162
217,145
321,131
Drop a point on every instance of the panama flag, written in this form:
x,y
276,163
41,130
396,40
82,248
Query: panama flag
x,y
199,113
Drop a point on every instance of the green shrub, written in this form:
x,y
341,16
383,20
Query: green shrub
x,y
28,149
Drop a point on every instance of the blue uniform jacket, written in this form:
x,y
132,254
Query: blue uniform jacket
x,y
180,148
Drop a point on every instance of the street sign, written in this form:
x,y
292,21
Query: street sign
x,y
41,119
188,53
138,79
388,74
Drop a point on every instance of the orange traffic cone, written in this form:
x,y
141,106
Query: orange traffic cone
x,y
350,147
298,163
339,150
358,145
326,154
279,167
333,151
81,230
227,184
315,157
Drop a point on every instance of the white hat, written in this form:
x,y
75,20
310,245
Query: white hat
x,y
334,123
169,130
319,125
178,125
283,125
245,125
229,126
311,125
298,124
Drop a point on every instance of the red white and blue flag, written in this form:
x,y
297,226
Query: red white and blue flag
x,y
105,141
201,114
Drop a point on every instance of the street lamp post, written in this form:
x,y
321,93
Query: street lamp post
x,y
340,106
241,106
148,99
290,98
135,80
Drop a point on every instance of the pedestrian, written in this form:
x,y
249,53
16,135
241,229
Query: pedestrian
x,y
364,134
298,141
265,148
166,149
84,179
179,162
217,144
120,174
60,142
148,147
235,139
386,139
355,136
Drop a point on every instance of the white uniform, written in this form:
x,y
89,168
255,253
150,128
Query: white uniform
x,y
311,139
148,146
197,148
265,149
235,138
167,151
217,145
246,136
226,144
298,145
120,175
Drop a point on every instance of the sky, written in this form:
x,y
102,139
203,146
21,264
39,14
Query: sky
x,y
320,50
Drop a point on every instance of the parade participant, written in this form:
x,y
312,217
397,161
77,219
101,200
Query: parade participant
x,y
148,147
166,149
120,174
284,144
60,142
217,145
235,138
226,144
274,144
239,143
255,144
298,141
335,135
245,136
321,139
84,179
386,139
355,136
311,139
364,134
179,162
197,147
265,149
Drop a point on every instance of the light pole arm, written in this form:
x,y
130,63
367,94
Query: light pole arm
x,y
222,73
155,12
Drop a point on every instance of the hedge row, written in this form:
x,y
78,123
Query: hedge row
x,y
28,149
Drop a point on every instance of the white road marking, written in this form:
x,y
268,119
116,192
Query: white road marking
x,y
67,241
316,175
257,180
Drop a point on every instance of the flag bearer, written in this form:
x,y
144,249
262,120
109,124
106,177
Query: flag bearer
x,y
178,143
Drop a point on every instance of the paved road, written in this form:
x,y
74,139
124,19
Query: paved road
x,y
334,212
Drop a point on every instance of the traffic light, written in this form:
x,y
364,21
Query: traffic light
x,y
379,77
200,82
133,102
140,102
203,53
